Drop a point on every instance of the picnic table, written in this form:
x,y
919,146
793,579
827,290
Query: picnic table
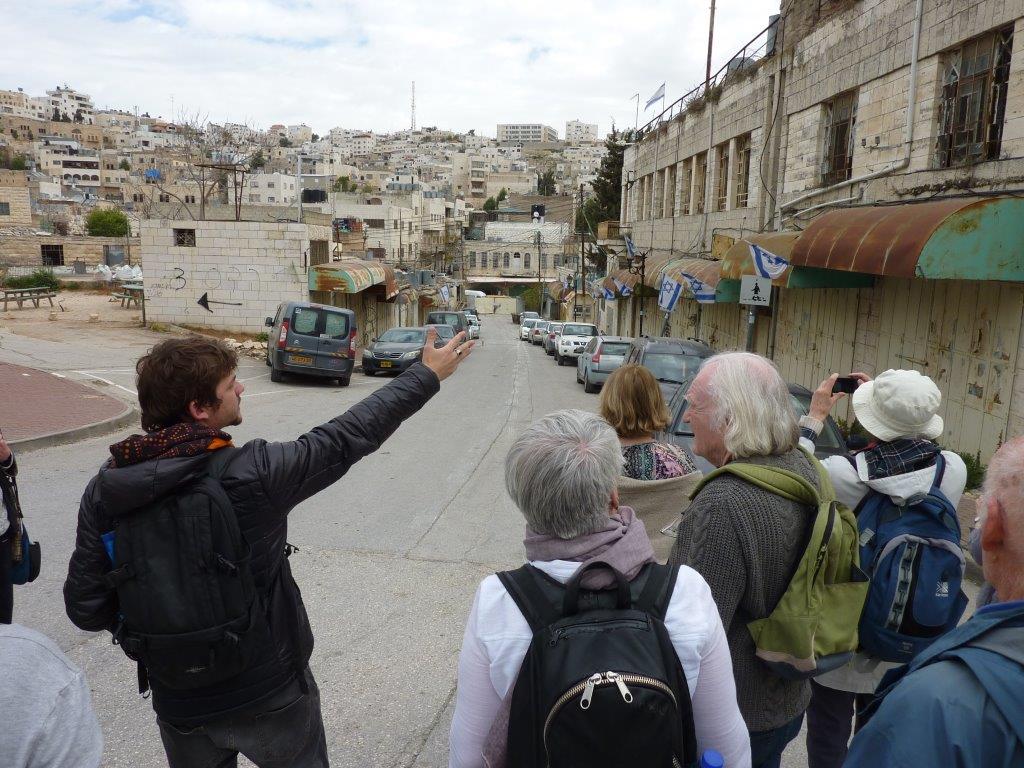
x,y
129,293
21,295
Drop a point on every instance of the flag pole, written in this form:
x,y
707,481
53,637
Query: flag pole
x,y
711,37
636,123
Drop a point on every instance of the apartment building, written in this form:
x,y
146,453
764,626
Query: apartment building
x,y
68,104
526,133
19,104
511,257
578,132
875,147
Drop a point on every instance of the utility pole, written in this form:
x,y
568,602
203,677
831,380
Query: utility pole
x,y
711,37
540,276
582,271
298,184
400,247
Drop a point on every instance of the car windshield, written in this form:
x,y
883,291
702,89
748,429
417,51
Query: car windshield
x,y
404,336
615,348
572,329
542,326
555,328
444,331
530,322
444,318
667,366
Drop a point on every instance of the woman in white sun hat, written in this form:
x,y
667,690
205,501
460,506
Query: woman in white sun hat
x,y
899,409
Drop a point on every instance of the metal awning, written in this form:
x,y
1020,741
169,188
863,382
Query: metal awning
x,y
953,239
766,253
352,276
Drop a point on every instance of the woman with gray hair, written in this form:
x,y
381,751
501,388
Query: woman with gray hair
x,y
561,473
744,540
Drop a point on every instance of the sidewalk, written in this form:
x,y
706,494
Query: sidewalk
x,y
39,408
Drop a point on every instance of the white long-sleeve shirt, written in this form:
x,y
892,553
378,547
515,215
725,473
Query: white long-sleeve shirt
x,y
498,636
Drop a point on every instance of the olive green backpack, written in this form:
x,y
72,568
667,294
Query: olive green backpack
x,y
813,628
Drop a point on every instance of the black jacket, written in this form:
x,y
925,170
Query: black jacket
x,y
9,491
264,482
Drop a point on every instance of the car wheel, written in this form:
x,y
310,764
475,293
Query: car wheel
x,y
588,387
367,372
267,361
276,375
578,379
344,382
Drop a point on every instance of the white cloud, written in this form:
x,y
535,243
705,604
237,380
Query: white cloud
x,y
329,63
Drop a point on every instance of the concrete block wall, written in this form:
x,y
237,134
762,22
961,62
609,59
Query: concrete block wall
x,y
251,265
25,251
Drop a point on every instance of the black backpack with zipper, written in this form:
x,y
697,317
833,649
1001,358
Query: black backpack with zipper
x,y
190,614
601,684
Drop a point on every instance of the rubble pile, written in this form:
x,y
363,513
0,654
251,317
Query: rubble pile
x,y
255,349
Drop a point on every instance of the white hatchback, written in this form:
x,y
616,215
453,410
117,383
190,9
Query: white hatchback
x,y
573,339
526,327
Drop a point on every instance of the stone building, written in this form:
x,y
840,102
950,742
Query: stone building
x,y
875,146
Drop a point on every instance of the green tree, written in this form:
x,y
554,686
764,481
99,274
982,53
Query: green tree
x,y
588,218
608,184
18,163
343,184
546,183
490,204
365,189
316,137
283,142
125,165
502,195
257,160
106,222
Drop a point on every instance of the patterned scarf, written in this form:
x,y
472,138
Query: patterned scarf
x,y
899,457
185,439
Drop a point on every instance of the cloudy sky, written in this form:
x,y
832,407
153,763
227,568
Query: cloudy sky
x,y
330,63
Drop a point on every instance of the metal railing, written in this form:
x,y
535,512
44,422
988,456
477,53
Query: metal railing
x,y
761,47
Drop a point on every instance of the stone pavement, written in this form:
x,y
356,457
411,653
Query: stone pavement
x,y
37,404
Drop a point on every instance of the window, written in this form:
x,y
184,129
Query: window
x,y
270,185
5,209
722,178
271,200
137,197
472,259
375,223
526,261
304,321
670,192
543,261
741,184
254,198
494,261
185,238
165,198
190,198
658,195
700,164
840,119
505,260
53,255
973,103
684,188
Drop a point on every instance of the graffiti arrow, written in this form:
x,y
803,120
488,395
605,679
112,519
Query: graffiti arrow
x,y
205,302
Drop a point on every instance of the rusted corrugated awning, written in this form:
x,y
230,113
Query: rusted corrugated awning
x,y
652,271
682,270
961,239
352,276
623,277
755,255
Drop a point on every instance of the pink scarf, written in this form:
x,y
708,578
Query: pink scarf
x,y
622,544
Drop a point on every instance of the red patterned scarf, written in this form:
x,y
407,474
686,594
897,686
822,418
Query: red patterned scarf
x,y
186,439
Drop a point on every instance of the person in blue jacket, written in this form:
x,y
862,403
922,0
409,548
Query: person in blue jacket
x,y
959,703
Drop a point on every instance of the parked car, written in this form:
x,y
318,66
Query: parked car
x,y
572,340
549,340
829,443
311,340
599,358
672,361
395,350
527,327
451,317
538,331
445,333
524,316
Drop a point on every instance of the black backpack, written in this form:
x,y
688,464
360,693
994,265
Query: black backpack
x,y
190,613
601,684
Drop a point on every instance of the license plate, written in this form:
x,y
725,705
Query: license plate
x,y
386,364
300,359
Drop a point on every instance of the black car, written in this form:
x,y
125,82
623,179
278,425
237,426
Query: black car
x,y
672,361
395,350
445,333
829,443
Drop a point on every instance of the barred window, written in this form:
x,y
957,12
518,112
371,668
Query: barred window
x,y
185,238
700,163
742,181
722,178
840,120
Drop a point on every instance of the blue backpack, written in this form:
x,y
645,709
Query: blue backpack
x,y
912,555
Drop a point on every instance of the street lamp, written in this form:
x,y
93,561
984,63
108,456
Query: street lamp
x,y
637,265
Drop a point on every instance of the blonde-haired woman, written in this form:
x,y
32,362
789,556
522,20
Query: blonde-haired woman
x,y
631,401
657,478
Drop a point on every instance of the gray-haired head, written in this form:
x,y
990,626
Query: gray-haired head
x,y
752,407
561,472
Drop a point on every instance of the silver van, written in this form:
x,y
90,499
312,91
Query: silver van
x,y
311,340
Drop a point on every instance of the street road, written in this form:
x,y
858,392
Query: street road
x,y
388,558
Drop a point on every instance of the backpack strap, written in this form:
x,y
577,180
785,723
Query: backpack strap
x,y
781,482
218,461
940,470
658,589
521,585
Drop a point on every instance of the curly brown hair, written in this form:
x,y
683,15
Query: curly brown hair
x,y
177,372
631,401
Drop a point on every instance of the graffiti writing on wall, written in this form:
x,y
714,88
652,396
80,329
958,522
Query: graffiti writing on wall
x,y
226,282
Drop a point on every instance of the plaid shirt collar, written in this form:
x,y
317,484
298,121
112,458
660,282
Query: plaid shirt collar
x,y
899,457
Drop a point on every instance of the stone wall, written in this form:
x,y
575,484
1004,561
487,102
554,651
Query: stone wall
x,y
253,266
24,250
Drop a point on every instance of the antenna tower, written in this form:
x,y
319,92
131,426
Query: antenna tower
x,y
414,105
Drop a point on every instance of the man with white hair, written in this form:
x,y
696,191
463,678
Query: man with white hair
x,y
958,704
744,540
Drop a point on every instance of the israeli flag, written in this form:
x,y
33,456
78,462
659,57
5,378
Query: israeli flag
x,y
702,292
767,263
609,294
445,294
630,248
669,294
658,94
624,290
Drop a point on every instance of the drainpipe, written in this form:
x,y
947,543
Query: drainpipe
x,y
852,199
902,163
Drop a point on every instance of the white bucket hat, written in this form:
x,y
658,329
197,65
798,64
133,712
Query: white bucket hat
x,y
899,404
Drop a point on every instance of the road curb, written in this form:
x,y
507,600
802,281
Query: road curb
x,y
97,428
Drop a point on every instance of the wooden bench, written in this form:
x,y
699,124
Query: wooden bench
x,y
21,295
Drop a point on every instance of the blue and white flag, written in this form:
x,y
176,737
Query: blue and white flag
x,y
630,248
624,290
445,294
702,292
608,293
669,294
767,263
656,96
